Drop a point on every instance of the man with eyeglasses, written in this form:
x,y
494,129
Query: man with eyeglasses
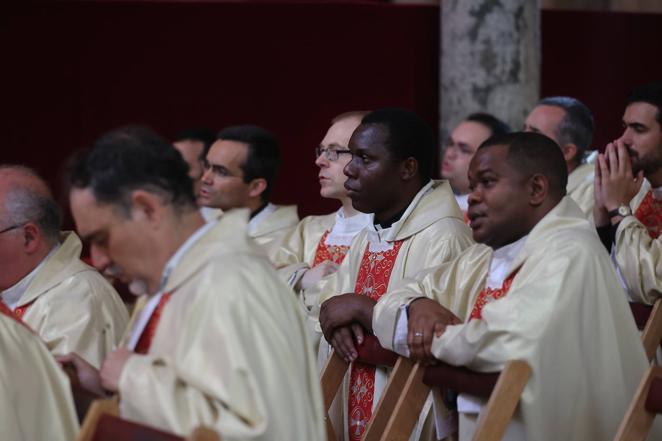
x,y
42,279
240,172
319,243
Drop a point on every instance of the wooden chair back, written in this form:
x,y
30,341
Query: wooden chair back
x,y
649,320
504,391
645,405
103,423
372,353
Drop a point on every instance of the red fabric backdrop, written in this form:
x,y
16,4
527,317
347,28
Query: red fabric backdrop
x,y
75,69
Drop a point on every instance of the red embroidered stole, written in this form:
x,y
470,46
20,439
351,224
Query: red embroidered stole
x,y
334,253
4,310
145,340
649,213
21,310
372,281
488,295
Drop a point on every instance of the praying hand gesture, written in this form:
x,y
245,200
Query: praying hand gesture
x,y
615,184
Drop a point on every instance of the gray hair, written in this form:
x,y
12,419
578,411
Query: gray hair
x,y
577,125
24,204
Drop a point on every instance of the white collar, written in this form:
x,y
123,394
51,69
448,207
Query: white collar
x,y
382,239
502,258
345,228
13,294
463,201
264,213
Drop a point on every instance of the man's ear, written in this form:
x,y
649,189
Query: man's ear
x,y
409,169
32,238
256,187
146,206
570,151
538,188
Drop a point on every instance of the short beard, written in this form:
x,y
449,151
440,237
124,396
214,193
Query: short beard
x,y
648,164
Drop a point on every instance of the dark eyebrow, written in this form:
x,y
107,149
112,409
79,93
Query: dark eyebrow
x,y
90,236
336,145
636,125
220,168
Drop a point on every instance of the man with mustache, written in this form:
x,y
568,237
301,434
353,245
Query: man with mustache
x,y
417,225
628,208
218,339
319,243
240,172
42,279
537,287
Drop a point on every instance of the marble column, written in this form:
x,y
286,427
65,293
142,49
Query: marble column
x,y
490,59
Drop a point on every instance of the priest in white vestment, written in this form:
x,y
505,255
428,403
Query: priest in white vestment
x,y
318,244
417,225
569,122
36,401
538,287
217,339
69,304
240,172
628,208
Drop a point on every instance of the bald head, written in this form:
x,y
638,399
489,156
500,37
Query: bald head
x,y
25,197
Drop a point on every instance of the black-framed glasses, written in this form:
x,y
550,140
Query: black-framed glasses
x,y
330,154
13,227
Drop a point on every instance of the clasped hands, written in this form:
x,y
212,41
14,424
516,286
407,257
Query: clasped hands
x,y
615,184
345,319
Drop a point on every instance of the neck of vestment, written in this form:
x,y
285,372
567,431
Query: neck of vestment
x,y
146,320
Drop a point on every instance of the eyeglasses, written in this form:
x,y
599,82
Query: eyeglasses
x,y
13,227
330,154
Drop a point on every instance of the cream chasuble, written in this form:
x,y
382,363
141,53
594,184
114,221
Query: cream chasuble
x,y
580,188
431,231
71,306
36,402
315,239
637,251
229,350
269,226
564,313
